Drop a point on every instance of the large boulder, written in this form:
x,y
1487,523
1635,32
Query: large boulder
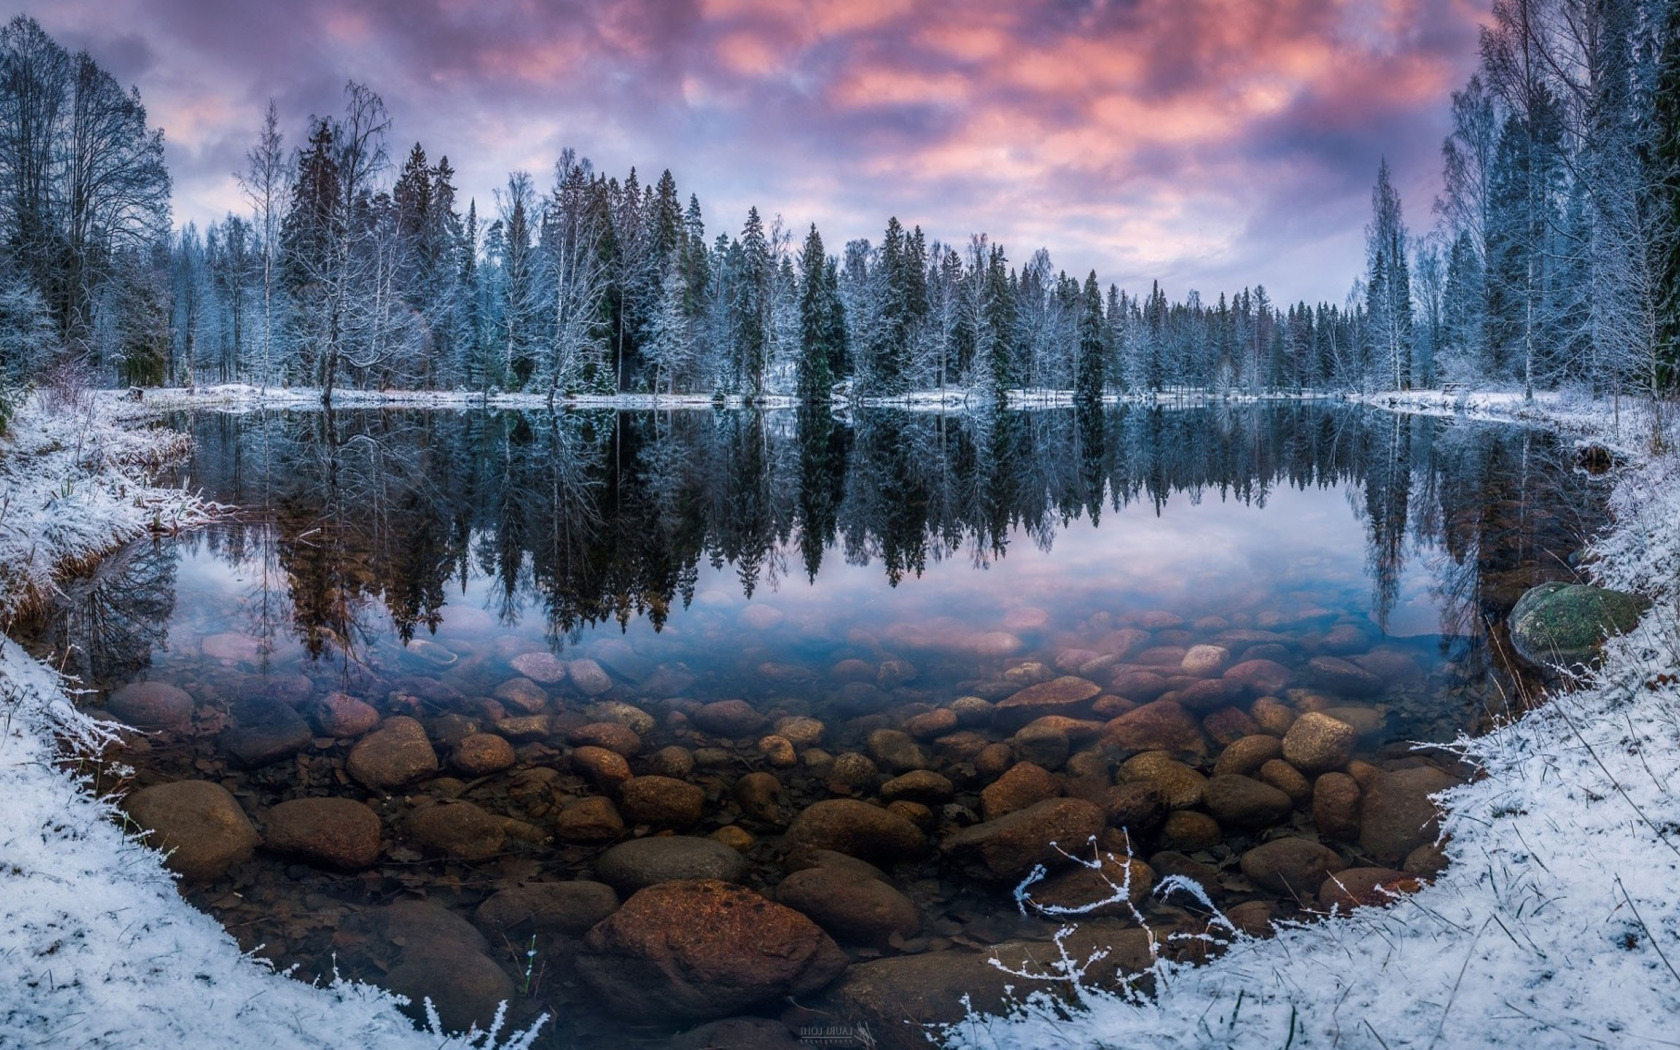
x,y
1565,624
335,832
639,863
197,823
1009,847
395,754
1159,726
856,829
701,949
1398,815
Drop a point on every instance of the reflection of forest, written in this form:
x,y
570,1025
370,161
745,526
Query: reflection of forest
x,y
604,516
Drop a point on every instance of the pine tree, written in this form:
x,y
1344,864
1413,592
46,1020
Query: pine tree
x,y
815,381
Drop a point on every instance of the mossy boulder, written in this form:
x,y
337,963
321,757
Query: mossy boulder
x,y
1565,624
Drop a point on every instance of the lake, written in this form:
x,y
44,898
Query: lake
x,y
599,628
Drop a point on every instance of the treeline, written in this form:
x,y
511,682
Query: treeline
x,y
1555,259
1556,254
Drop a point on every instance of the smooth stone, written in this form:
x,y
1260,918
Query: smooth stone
x,y
1023,784
671,761
849,767
1045,745
729,718
200,827
896,752
629,716
1009,847
1066,695
1287,779
760,796
589,677
1111,890
1342,677
553,909
265,732
1139,686
921,785
1262,677
1187,830
614,736
1398,814
1179,785
661,800
1136,808
542,667
994,760
972,711
151,705
1272,715
931,724
1227,725
856,829
1158,726
593,819
801,731
605,769
458,829
343,716
630,866
700,949
1244,802
395,754
335,832
1205,661
1210,694
523,695
1246,755
1335,806
853,908
1291,866
738,1033
482,754
778,751
1317,743
424,926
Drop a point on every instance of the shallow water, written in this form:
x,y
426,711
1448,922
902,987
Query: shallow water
x,y
861,571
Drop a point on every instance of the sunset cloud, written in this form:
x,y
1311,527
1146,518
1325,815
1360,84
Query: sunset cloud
x,y
1208,143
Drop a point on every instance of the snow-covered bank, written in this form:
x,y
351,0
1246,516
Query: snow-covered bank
x,y
1557,924
96,946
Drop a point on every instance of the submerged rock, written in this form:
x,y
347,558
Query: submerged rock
x,y
197,823
1009,847
856,829
700,949
550,908
336,832
852,906
1398,815
1565,624
151,705
639,863
395,754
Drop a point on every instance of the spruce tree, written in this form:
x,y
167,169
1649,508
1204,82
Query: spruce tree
x,y
815,379
1089,377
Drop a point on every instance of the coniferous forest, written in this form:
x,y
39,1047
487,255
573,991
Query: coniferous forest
x,y
1551,258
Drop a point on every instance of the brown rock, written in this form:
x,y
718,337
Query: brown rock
x,y
778,751
541,667
685,951
1227,725
856,829
1210,694
630,866
1340,676
664,801
896,752
1335,806
1159,726
1205,661
336,832
522,695
1293,866
606,769
1137,808
1009,847
593,819
671,761
197,824
1272,715
1111,890
994,760
343,716
466,988
1189,831
481,754
1317,743
524,727
553,909
1024,784
589,677
921,785
1138,686
151,705
1246,755
395,754
1287,779
1426,861
1066,695
854,909
1243,802
458,829
1261,677
615,737
1179,785
729,718
1398,815
759,795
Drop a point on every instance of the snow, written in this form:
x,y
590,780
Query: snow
x,y
96,946
1556,925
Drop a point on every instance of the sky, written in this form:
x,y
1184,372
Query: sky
x,y
1208,144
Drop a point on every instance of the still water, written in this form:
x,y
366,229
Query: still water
x,y
532,577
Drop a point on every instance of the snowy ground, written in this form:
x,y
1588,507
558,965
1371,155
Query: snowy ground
x,y
97,949
1557,924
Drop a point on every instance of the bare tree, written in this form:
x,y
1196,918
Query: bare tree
x,y
265,184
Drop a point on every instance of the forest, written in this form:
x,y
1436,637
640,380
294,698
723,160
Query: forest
x,y
1550,259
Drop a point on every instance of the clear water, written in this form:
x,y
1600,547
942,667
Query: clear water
x,y
408,557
